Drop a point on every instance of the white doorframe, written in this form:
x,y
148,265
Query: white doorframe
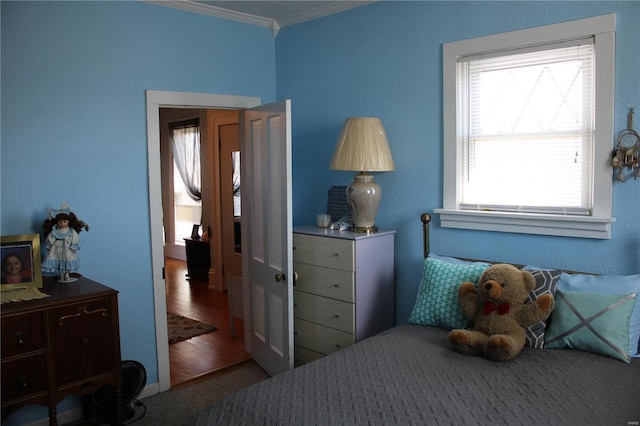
x,y
155,101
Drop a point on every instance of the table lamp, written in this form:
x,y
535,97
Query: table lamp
x,y
363,147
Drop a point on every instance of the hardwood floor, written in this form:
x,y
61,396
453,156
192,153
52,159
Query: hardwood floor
x,y
202,355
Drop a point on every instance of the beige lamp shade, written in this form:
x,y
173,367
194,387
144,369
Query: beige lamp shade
x,y
362,146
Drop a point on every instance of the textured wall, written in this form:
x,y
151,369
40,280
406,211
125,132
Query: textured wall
x,y
74,76
74,124
385,60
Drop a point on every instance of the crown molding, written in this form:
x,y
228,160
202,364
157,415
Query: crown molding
x,y
273,25
205,9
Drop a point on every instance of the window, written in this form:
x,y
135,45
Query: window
x,y
529,129
187,195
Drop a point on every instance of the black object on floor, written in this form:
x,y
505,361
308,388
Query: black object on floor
x,y
134,379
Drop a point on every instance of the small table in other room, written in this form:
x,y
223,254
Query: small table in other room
x,y
198,258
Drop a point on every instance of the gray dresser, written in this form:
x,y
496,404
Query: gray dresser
x,y
344,291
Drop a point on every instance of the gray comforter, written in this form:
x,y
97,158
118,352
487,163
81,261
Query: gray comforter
x,y
409,376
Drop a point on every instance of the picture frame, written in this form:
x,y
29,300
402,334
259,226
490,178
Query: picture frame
x,y
195,232
24,250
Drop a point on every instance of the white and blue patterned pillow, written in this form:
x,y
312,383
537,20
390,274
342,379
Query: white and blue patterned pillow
x,y
546,283
437,301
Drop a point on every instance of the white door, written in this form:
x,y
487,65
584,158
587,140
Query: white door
x,y
267,234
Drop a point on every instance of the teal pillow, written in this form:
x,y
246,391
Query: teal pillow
x,y
592,322
609,284
437,301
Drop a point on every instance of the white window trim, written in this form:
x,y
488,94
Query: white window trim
x,y
598,225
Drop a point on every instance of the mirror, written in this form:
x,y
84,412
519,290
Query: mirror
x,y
237,210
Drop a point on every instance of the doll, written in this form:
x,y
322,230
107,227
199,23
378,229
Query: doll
x,y
62,228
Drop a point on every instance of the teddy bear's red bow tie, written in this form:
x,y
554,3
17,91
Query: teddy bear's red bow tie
x,y
489,307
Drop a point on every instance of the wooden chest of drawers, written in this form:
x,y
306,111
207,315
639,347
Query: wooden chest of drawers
x,y
344,290
68,343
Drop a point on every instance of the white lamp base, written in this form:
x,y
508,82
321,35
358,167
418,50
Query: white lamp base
x,y
363,196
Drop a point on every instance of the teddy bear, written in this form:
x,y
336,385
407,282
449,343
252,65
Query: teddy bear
x,y
499,313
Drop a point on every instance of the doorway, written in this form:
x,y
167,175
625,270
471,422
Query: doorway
x,y
200,287
155,101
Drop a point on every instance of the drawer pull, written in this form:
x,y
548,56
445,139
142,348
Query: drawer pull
x,y
338,346
336,285
22,382
82,310
336,316
336,254
20,338
88,385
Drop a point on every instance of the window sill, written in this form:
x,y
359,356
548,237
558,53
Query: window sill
x,y
528,223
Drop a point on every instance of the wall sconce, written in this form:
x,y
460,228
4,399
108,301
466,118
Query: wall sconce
x,y
363,147
627,152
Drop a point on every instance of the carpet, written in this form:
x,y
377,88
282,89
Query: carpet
x,y
176,406
182,328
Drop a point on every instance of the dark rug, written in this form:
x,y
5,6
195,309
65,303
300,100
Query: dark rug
x,y
182,328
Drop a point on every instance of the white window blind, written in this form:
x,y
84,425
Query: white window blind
x,y
525,123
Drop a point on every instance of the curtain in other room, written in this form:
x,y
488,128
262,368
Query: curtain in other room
x,y
185,145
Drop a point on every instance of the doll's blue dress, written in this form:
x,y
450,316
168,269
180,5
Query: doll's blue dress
x,y
62,246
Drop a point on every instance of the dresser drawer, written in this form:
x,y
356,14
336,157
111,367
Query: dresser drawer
x,y
324,311
24,377
320,339
22,334
333,283
82,340
304,355
334,253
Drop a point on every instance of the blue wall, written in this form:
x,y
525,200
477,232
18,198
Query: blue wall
x,y
74,76
73,128
385,60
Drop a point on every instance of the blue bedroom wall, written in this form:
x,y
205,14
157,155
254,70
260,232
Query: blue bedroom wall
x,y
74,76
385,60
73,125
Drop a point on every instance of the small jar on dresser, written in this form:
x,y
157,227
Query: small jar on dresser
x,y
344,289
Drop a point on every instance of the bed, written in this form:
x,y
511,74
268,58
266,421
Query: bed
x,y
409,375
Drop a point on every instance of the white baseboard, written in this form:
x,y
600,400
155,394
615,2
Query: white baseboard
x,y
150,390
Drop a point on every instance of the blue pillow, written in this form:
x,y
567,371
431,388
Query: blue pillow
x,y
609,284
437,301
592,322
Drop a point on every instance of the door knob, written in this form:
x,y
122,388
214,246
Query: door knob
x,y
280,277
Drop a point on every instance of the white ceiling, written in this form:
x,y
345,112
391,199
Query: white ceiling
x,y
269,14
